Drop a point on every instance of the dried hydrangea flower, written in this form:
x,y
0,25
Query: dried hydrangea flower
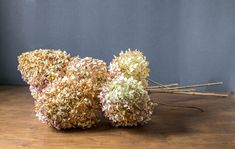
x,y
40,67
68,103
125,102
131,64
88,67
72,101
35,92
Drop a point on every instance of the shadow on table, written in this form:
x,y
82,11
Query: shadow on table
x,y
168,121
164,122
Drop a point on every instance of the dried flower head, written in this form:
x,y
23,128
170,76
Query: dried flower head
x,y
88,67
35,92
72,101
40,67
68,103
131,64
125,102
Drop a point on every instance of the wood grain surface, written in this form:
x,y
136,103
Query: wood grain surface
x,y
171,127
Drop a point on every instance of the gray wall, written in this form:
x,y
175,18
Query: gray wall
x,y
186,41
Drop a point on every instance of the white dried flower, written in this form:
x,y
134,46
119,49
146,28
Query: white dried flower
x,y
125,102
131,64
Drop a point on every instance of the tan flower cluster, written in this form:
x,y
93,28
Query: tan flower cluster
x,y
125,102
68,99
70,91
40,67
68,103
131,64
88,67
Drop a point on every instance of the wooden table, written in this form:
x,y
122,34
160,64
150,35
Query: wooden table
x,y
170,127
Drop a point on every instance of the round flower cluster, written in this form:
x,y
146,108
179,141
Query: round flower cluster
x,y
72,101
88,67
125,102
65,88
40,67
68,103
70,91
131,64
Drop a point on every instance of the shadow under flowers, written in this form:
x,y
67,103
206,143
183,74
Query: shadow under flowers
x,y
167,121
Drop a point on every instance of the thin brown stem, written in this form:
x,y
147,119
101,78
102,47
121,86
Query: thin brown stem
x,y
160,88
168,91
197,85
157,83
202,94
167,85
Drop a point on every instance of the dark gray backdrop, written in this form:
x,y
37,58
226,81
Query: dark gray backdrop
x,y
186,41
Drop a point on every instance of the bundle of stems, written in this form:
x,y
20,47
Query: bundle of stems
x,y
189,89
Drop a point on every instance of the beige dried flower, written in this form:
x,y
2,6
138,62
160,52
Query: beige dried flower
x,y
88,67
131,64
72,101
125,102
68,103
42,66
